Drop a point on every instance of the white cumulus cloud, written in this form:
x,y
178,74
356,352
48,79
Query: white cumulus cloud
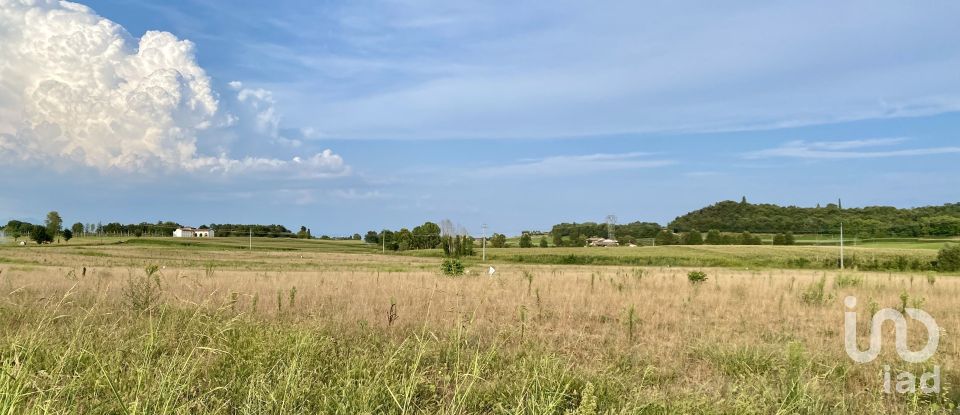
x,y
76,88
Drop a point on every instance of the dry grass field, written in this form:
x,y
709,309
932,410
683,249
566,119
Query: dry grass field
x,y
167,328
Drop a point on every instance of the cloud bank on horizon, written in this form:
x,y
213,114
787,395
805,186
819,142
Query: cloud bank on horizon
x,y
76,89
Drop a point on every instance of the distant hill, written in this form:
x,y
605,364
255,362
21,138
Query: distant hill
x,y
871,221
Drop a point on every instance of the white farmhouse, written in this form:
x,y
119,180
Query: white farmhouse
x,y
188,232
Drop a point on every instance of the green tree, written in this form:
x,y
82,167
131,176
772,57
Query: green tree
x,y
54,223
356,237
526,241
40,235
466,245
580,240
557,238
779,239
498,240
17,229
666,237
543,242
788,238
390,240
746,238
693,238
372,237
426,236
404,240
714,237
77,229
67,235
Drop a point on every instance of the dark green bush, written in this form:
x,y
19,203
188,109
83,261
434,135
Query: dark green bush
x,y
696,277
452,267
948,259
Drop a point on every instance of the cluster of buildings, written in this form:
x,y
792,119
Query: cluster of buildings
x,y
602,242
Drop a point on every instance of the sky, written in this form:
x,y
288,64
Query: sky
x,y
348,116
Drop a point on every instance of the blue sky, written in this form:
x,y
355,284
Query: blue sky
x,y
515,114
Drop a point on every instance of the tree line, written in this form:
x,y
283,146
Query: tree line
x,y
866,222
454,240
52,229
715,237
576,234
18,229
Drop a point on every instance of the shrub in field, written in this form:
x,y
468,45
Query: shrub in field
x,y
844,281
904,298
948,259
814,294
696,277
452,267
142,293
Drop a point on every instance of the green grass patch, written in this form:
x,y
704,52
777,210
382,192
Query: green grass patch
x,y
790,257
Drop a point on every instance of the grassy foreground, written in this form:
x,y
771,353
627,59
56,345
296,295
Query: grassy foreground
x,y
218,331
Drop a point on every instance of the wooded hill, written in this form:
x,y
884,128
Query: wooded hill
x,y
871,221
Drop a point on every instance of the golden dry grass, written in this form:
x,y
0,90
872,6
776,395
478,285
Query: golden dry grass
x,y
743,341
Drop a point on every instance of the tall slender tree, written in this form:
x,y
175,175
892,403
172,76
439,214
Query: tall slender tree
x,y
54,223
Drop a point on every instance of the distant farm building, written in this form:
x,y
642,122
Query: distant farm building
x,y
188,232
602,242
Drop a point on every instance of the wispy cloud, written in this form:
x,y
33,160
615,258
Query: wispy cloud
x,y
576,164
354,194
435,70
849,149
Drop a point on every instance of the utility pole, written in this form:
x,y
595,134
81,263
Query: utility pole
x,y
841,245
251,239
383,240
611,227
484,249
